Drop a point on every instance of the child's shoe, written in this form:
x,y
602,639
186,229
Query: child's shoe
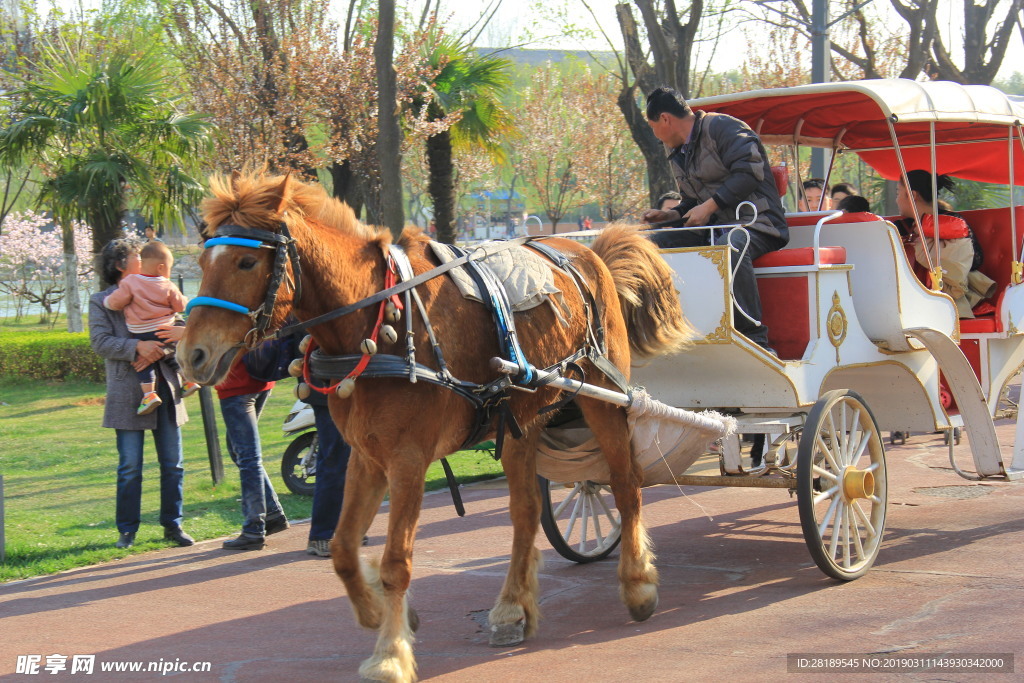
x,y
189,388
150,402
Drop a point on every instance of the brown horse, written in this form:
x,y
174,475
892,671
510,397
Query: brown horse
x,y
343,261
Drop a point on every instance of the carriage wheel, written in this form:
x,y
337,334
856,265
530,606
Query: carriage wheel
x,y
580,519
841,485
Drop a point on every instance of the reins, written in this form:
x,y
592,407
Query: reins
x,y
475,254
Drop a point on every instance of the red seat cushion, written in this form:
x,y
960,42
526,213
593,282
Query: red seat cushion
x,y
804,256
978,325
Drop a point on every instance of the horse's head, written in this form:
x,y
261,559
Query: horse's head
x,y
250,274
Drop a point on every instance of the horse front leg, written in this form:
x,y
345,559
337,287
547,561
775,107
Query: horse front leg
x,y
392,658
365,485
638,577
515,614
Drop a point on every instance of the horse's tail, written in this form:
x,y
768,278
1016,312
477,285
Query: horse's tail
x,y
643,281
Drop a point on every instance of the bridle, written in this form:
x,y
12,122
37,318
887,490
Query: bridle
x,y
284,251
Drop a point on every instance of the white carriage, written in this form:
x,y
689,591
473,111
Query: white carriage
x,y
863,344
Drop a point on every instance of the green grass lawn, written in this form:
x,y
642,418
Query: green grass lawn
x,y
59,468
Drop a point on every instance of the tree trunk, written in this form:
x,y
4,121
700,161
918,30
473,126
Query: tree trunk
x,y
389,140
346,185
71,295
441,185
659,175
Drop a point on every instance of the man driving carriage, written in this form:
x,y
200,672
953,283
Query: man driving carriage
x,y
718,162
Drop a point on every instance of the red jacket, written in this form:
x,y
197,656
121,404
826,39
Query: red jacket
x,y
239,382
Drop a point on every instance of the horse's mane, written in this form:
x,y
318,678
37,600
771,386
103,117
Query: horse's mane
x,y
255,201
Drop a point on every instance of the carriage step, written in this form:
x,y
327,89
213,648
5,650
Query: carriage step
x,y
771,426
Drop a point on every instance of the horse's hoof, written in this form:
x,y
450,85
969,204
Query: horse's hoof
x,y
507,635
414,620
643,612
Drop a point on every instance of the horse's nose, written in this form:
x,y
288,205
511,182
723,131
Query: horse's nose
x,y
197,357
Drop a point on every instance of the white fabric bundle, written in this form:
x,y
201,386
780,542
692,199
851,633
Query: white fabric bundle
x,y
665,441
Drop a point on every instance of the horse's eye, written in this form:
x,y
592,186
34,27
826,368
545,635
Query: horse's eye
x,y
247,263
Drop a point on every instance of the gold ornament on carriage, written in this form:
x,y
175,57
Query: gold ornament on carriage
x,y
836,323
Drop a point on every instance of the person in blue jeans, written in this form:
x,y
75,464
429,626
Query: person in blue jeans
x,y
242,398
110,339
329,488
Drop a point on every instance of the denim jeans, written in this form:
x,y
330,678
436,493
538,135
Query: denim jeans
x,y
147,375
331,463
744,289
130,442
241,414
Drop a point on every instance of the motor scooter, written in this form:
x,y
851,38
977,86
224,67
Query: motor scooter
x,y
298,465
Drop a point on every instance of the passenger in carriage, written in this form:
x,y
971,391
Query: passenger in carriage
x,y
718,162
814,196
854,203
961,254
841,191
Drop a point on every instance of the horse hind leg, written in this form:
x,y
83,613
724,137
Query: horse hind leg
x,y
516,613
638,577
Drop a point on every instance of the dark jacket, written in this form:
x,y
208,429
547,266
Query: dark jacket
x,y
725,159
110,339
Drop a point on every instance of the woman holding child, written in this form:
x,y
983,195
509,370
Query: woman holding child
x,y
124,355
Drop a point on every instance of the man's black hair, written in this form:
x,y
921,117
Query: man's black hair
x,y
815,182
845,188
921,182
854,203
667,101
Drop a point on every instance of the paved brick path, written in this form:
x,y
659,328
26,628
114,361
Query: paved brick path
x,y
739,592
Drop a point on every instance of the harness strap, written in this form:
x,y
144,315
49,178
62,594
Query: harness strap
x,y
475,255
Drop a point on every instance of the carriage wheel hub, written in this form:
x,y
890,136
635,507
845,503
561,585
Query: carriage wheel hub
x,y
858,483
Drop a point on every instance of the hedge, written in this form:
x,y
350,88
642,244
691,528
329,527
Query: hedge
x,y
49,355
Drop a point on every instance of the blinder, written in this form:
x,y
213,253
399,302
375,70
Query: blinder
x,y
284,251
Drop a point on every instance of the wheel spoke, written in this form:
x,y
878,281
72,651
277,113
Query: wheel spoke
x,y
607,510
869,528
575,514
827,452
861,447
854,437
572,495
857,543
584,522
828,474
846,536
834,540
844,433
828,516
824,495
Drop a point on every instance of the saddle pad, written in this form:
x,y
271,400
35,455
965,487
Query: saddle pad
x,y
526,276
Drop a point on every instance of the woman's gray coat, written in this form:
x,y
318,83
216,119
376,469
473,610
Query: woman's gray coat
x,y
112,342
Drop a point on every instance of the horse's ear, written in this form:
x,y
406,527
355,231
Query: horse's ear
x,y
235,177
279,198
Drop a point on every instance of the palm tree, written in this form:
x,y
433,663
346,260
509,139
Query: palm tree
x,y
469,86
106,129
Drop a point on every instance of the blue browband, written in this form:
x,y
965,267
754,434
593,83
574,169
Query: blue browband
x,y
216,303
221,303
235,242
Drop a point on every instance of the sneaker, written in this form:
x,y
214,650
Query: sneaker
x,y
320,547
126,540
244,542
179,537
150,402
275,524
190,388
